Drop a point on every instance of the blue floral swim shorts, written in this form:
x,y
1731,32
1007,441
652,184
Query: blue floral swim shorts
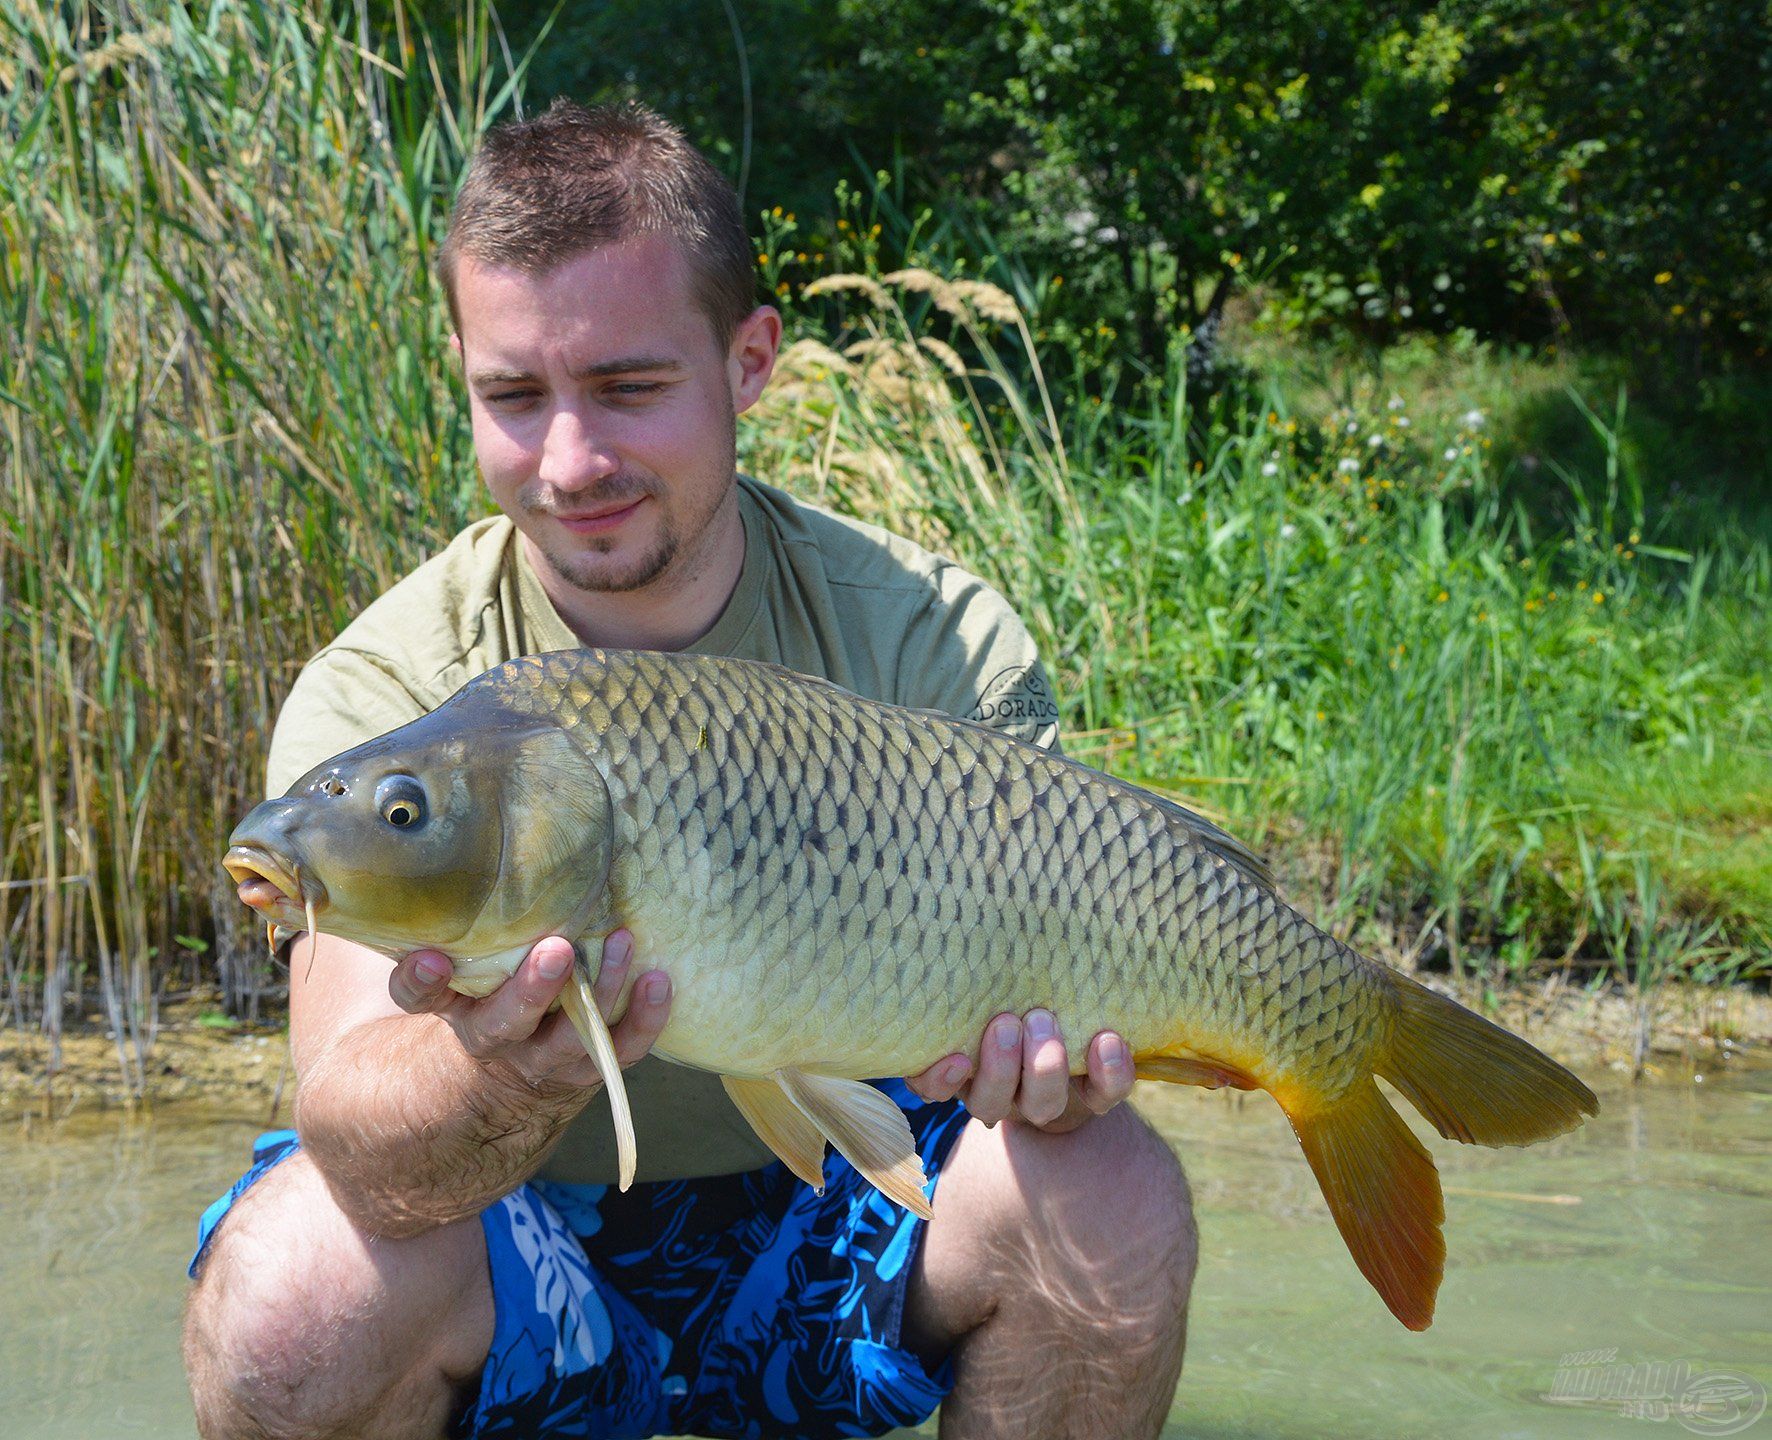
x,y
738,1305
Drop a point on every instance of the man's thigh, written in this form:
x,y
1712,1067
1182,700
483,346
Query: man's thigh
x,y
301,1321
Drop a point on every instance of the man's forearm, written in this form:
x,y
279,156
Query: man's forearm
x,y
411,1132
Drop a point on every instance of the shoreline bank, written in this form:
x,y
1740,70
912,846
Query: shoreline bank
x,y
1696,1029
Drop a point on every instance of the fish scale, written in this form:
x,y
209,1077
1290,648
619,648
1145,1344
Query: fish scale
x,y
802,813
842,889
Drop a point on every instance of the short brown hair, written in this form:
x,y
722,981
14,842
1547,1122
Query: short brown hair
x,y
542,191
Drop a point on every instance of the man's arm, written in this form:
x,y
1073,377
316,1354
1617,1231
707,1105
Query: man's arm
x,y
421,1106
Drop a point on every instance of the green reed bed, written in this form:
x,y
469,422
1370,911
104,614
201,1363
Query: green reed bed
x,y
228,423
230,418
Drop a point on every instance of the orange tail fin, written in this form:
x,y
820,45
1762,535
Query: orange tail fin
x,y
1474,1081
1384,1194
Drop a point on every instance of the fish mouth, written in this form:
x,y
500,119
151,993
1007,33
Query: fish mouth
x,y
273,886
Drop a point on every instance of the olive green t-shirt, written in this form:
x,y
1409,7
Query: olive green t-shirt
x,y
819,593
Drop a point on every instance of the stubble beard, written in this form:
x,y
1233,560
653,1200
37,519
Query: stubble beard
x,y
583,572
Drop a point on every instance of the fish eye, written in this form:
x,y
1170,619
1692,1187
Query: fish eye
x,y
401,801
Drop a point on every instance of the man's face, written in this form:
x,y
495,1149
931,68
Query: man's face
x,y
604,408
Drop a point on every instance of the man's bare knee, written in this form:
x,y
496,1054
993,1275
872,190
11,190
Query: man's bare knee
x,y
1093,1231
301,1326
1112,1225
1058,1276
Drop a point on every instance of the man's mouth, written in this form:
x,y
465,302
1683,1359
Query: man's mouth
x,y
601,520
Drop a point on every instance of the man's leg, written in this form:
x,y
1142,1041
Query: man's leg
x,y
299,1325
1056,1272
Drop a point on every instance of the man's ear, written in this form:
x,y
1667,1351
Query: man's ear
x,y
750,359
455,345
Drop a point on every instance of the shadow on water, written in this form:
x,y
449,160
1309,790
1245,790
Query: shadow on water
x,y
1662,1259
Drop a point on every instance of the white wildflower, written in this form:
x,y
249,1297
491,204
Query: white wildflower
x,y
1270,468
1375,441
1472,419
1348,467
1451,452
1402,422
1394,403
1288,531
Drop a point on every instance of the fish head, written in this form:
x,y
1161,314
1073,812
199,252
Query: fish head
x,y
471,830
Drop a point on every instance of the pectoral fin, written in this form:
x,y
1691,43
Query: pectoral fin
x,y
781,1126
869,1131
580,1005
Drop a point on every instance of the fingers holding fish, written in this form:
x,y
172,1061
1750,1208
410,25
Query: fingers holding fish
x,y
944,1080
1045,1091
991,1095
1110,1076
649,1007
1023,1071
419,983
1107,1082
618,954
512,1024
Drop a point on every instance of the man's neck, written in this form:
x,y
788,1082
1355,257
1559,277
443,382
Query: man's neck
x,y
670,613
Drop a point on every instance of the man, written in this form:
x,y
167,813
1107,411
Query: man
x,y
443,1252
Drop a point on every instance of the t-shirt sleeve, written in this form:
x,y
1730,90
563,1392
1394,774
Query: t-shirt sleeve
x,y
968,654
340,699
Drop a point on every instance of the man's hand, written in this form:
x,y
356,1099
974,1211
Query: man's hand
x,y
1022,1072
512,1027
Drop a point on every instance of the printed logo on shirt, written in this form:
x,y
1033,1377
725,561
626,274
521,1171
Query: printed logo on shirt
x,y
1017,698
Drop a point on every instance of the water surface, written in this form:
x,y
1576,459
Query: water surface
x,y
1667,1257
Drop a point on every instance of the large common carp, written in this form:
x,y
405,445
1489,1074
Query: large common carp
x,y
841,889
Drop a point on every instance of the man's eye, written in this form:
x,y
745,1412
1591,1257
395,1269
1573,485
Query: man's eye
x,y
507,397
634,388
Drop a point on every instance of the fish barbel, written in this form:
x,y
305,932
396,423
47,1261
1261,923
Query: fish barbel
x,y
841,889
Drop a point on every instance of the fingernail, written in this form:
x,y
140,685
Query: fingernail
x,y
955,1072
431,970
1040,1026
552,964
618,949
1009,1034
1113,1052
657,988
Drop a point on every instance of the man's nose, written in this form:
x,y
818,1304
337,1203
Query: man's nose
x,y
573,453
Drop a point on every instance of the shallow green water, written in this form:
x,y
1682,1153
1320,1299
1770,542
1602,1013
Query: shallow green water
x,y
1667,1258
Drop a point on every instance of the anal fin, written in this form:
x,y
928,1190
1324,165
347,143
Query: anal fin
x,y
781,1125
1197,1070
580,1004
869,1131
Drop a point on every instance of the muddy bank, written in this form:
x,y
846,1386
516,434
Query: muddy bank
x,y
197,1055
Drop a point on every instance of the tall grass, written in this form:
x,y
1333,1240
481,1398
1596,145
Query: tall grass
x,y
230,420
